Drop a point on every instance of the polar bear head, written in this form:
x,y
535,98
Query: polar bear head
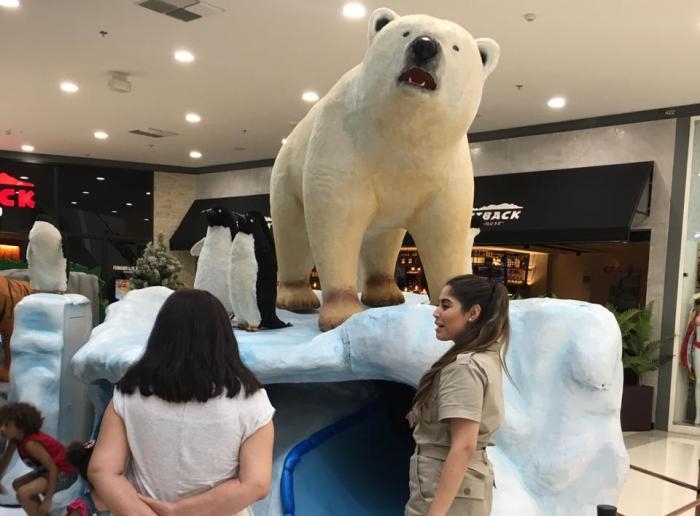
x,y
426,63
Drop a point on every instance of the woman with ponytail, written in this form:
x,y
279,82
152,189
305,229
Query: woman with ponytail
x,y
459,402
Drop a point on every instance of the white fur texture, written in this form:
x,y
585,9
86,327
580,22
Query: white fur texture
x,y
374,158
243,277
213,263
45,260
196,249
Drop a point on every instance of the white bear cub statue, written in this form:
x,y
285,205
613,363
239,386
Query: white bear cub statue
x,y
383,152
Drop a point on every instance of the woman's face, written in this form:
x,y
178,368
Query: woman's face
x,y
451,319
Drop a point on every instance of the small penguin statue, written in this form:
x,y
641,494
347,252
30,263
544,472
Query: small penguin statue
x,y
47,259
213,263
253,274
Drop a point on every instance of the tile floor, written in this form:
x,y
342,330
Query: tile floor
x,y
673,455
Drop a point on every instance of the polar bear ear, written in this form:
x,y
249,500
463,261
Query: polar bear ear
x,y
490,53
378,20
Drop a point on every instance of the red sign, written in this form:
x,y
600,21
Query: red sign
x,y
15,193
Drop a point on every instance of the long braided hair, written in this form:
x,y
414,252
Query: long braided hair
x,y
491,326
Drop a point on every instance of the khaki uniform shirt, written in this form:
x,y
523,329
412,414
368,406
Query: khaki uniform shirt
x,y
471,388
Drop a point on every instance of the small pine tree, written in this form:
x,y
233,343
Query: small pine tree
x,y
156,267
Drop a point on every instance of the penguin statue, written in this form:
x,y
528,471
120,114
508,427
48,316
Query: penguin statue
x,y
213,263
253,274
474,229
47,260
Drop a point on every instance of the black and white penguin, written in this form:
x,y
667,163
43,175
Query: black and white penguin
x,y
253,274
213,263
47,257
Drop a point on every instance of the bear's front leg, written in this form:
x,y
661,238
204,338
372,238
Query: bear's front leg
x,y
336,225
442,239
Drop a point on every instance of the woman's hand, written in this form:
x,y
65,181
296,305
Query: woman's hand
x,y
160,508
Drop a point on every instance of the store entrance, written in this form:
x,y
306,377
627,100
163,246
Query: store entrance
x,y
612,273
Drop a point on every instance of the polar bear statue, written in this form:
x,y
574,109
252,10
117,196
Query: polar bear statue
x,y
383,152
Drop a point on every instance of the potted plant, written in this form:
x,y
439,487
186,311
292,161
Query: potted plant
x,y
640,354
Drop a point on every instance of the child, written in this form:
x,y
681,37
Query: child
x,y
20,425
87,504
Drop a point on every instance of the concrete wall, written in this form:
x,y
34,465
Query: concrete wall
x,y
173,196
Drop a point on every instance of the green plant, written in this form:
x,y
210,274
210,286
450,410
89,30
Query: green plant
x,y
156,267
640,353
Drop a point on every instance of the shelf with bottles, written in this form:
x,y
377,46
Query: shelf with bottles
x,y
504,266
409,271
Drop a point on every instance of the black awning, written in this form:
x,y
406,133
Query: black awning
x,y
194,226
590,204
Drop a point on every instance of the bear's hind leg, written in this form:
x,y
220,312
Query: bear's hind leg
x,y
378,255
294,258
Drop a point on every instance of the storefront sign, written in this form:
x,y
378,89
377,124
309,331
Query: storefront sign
x,y
15,193
590,204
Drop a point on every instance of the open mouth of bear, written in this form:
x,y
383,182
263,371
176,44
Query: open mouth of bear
x,y
418,78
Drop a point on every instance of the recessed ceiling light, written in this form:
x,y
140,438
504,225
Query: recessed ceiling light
x,y
85,192
12,4
129,204
114,211
193,118
69,87
146,220
101,135
100,178
354,10
27,148
556,102
24,178
195,154
184,56
284,140
73,202
310,96
148,193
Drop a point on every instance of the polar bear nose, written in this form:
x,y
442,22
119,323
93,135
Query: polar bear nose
x,y
424,49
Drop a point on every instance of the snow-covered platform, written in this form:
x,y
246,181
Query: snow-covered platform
x,y
560,448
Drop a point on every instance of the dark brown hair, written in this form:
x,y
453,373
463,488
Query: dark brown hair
x,y
191,354
78,454
490,328
26,417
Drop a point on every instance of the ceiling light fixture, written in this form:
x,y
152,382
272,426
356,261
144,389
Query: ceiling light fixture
x,y
556,102
129,204
354,10
193,118
27,148
101,135
184,56
74,202
11,4
146,220
100,178
24,178
114,211
284,140
85,192
310,96
195,154
148,193
69,87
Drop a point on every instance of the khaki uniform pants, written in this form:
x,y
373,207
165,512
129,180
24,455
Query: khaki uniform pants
x,y
475,493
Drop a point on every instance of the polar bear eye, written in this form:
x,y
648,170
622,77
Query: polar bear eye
x,y
455,48
405,34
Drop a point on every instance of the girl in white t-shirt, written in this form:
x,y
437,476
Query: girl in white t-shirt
x,y
194,421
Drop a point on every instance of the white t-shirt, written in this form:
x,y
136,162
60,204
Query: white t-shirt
x,y
181,449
